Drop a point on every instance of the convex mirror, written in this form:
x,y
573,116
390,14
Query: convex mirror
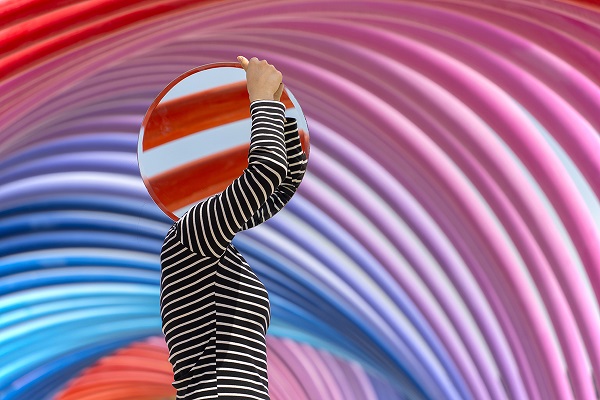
x,y
195,137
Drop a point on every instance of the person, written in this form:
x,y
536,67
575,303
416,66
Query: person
x,y
215,311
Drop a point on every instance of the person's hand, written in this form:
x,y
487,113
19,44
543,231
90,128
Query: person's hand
x,y
264,81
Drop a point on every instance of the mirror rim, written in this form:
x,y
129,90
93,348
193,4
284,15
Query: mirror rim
x,y
151,109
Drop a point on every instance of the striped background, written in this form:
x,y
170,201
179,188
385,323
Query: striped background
x,y
444,244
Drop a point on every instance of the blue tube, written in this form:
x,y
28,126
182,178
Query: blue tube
x,y
110,162
100,202
74,238
74,258
81,220
36,279
90,142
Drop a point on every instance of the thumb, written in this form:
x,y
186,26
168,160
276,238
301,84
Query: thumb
x,y
278,93
243,61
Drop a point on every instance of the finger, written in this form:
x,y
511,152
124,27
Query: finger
x,y
243,61
279,92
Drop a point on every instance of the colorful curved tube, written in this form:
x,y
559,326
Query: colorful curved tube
x,y
445,243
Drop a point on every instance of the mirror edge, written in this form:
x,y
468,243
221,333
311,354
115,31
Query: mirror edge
x,y
151,108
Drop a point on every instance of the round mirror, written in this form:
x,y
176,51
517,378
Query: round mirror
x,y
195,137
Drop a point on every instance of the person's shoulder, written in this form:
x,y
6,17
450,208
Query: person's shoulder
x,y
171,232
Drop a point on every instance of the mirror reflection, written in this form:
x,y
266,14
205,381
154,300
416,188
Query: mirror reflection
x,y
195,137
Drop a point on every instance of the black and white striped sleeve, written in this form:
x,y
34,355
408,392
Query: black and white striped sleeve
x,y
209,226
296,169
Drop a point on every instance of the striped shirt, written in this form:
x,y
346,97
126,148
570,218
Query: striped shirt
x,y
215,311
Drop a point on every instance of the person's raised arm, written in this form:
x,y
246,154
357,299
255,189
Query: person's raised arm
x,y
296,168
209,226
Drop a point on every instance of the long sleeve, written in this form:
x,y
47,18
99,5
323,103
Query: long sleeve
x,y
296,168
209,226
